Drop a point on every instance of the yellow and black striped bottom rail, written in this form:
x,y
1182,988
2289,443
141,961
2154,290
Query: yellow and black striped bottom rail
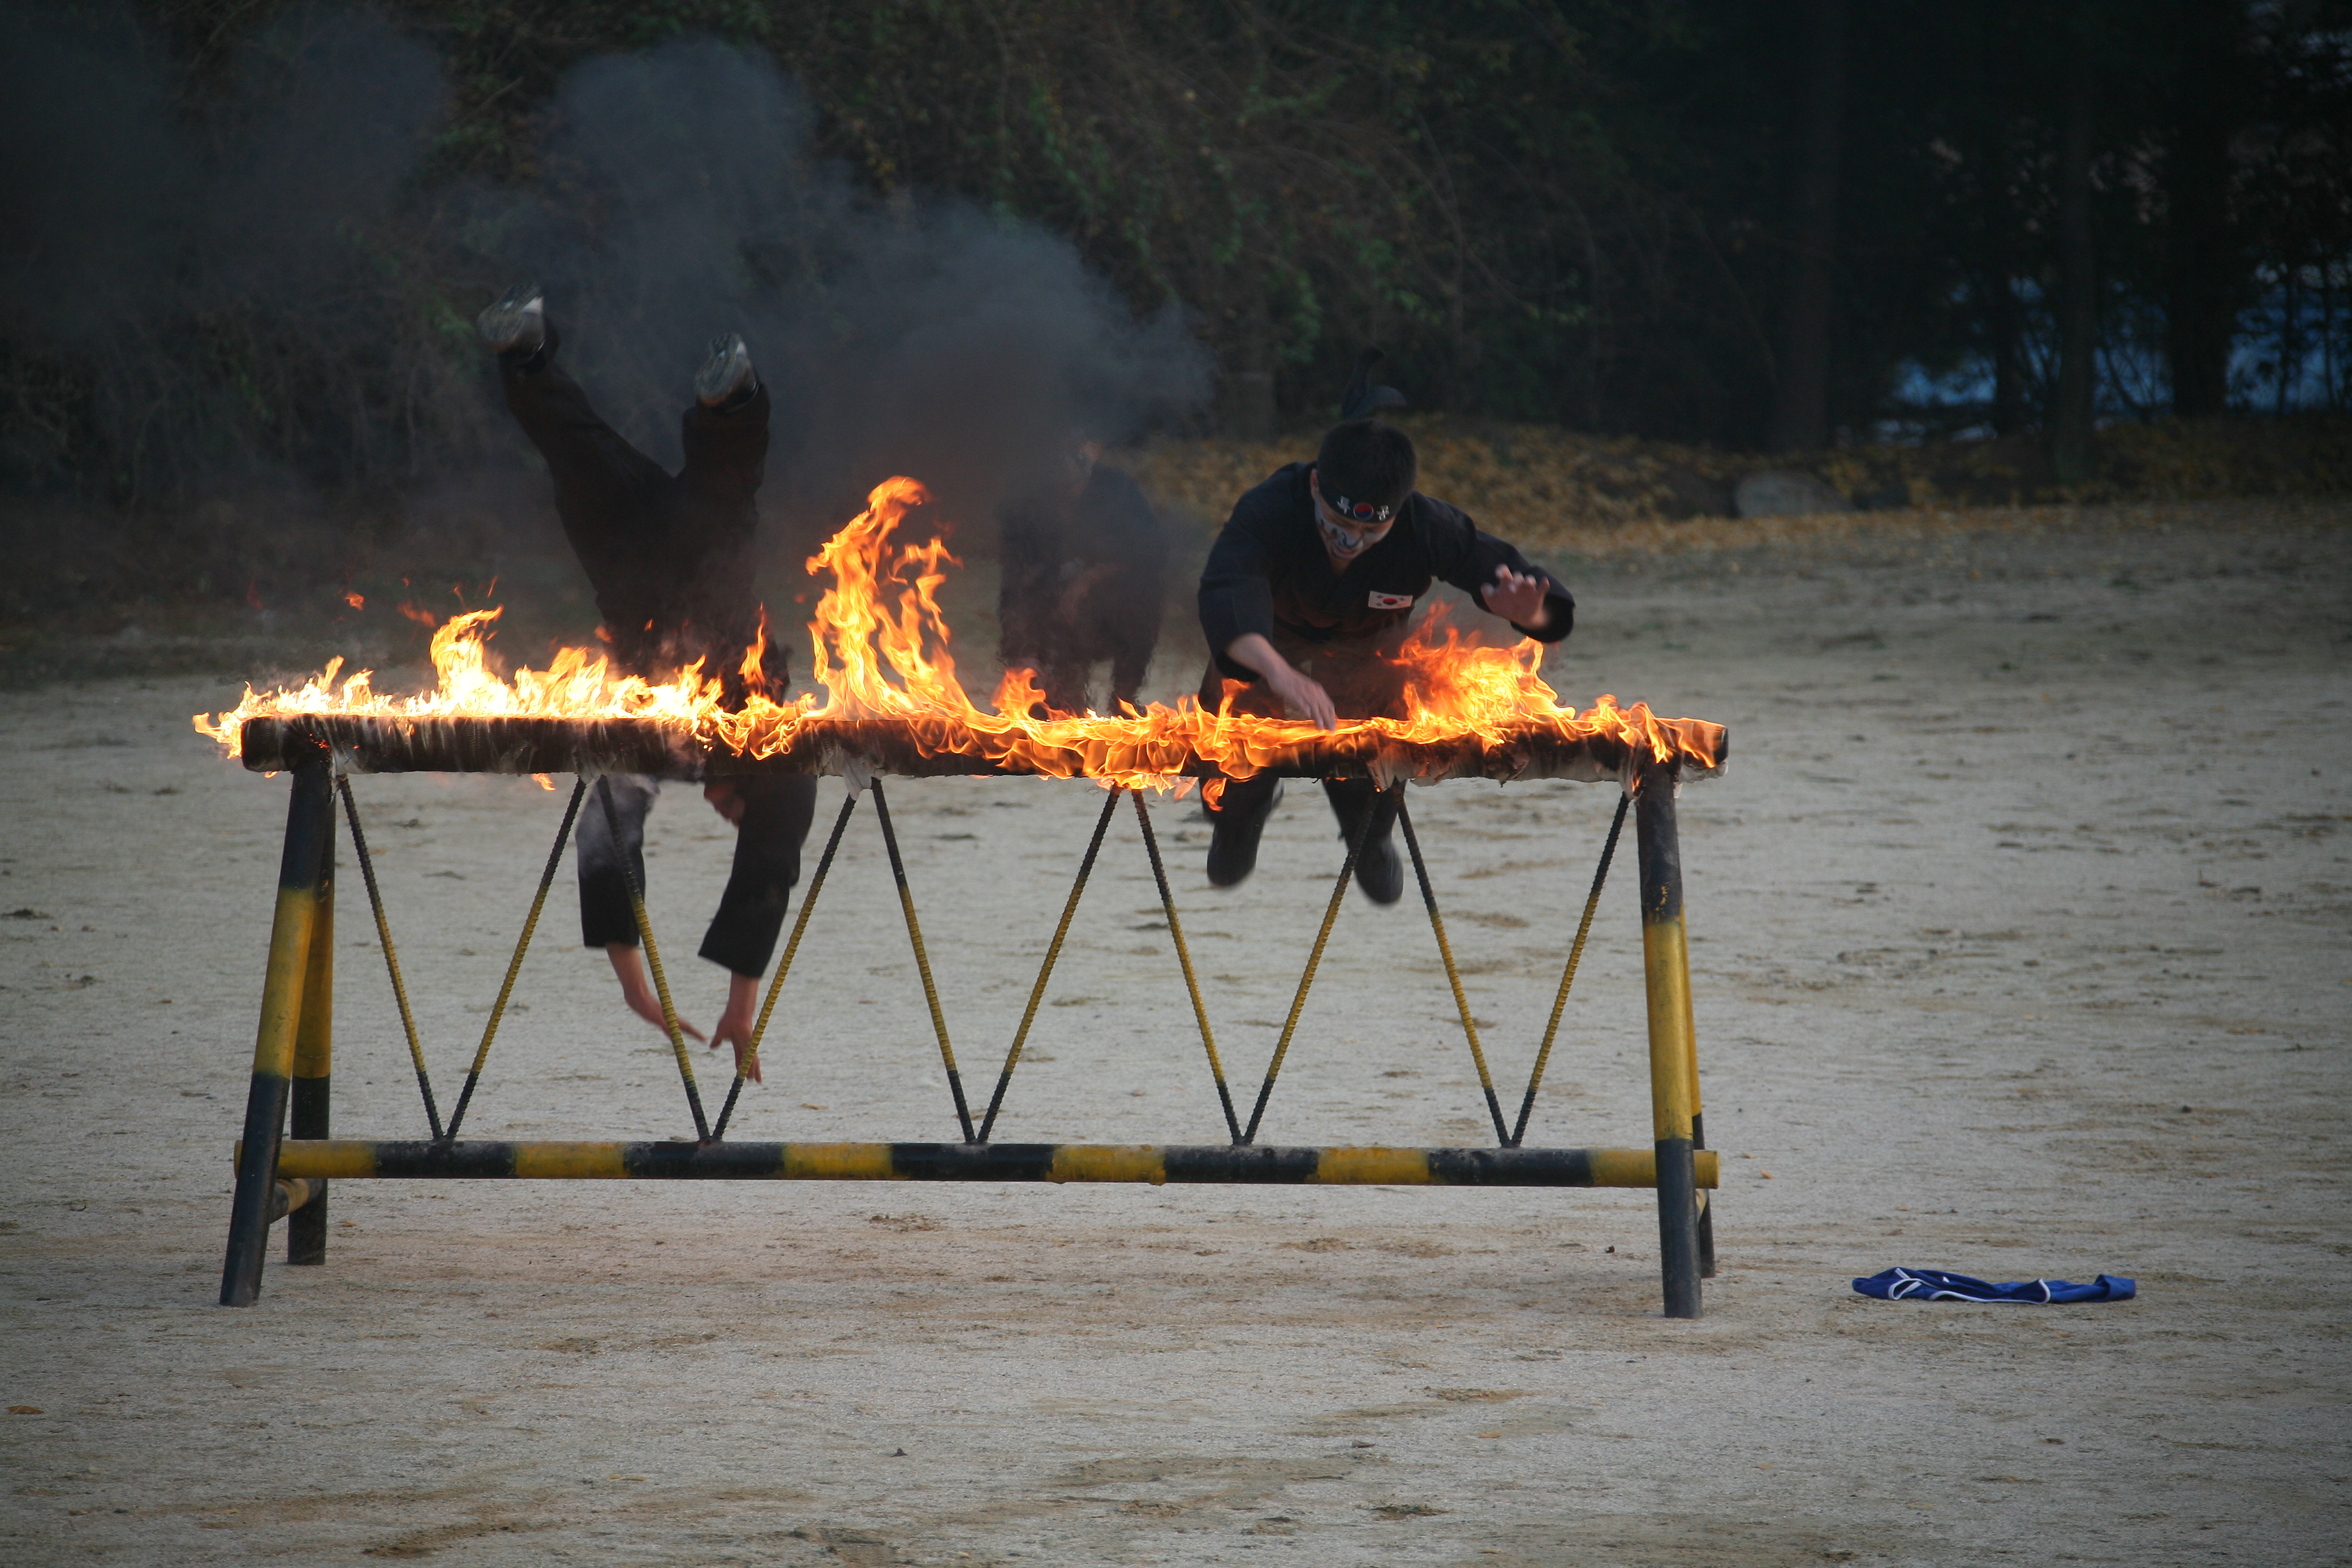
x,y
341,1158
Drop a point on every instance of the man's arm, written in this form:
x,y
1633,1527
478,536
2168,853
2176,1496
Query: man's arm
x,y
1237,597
1503,582
630,970
735,1023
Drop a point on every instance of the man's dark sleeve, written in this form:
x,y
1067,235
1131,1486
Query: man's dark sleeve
x,y
776,815
1465,556
1236,594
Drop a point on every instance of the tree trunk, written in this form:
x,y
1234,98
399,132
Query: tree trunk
x,y
2201,260
2078,282
2004,318
1997,227
1801,418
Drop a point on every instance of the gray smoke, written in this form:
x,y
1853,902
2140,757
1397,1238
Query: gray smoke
x,y
263,270
682,198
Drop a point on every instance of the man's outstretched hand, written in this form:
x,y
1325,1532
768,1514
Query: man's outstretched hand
x,y
735,1023
1519,598
639,993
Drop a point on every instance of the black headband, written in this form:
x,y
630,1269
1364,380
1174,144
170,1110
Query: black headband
x,y
1358,510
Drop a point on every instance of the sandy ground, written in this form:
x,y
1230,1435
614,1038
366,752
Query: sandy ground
x,y
2020,926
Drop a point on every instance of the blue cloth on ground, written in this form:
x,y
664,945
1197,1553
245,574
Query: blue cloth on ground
x,y
1935,1285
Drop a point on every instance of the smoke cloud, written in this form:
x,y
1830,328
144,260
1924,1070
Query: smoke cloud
x,y
262,272
682,198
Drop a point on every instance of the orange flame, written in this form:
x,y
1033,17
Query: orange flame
x,y
879,646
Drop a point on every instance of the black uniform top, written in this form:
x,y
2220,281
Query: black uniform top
x,y
1268,567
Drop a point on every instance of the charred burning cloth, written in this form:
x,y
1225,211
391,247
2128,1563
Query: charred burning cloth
x,y
669,558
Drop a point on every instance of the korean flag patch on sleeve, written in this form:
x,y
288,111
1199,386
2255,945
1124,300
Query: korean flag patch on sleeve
x,y
1381,601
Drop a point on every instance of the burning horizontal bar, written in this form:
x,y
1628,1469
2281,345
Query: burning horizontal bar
x,y
345,1158
376,744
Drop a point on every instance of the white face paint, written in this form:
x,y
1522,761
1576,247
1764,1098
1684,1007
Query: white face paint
x,y
1343,540
1344,543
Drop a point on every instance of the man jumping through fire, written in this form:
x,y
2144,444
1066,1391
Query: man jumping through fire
x,y
1084,563
1305,599
669,558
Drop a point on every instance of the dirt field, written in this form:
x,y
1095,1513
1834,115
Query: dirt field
x,y
2021,924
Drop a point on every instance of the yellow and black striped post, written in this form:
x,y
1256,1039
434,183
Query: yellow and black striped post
x,y
309,829
1674,1051
314,1059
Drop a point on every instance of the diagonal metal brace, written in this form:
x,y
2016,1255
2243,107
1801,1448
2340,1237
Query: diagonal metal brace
x,y
1045,970
1314,958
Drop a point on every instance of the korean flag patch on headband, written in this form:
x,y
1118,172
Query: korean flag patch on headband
x,y
1381,601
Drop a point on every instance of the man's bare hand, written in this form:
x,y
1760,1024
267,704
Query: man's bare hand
x,y
734,1026
1519,598
1304,697
639,995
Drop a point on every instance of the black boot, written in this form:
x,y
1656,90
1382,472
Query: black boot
x,y
1380,871
515,326
1240,817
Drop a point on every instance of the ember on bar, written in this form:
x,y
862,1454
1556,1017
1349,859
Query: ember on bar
x,y
891,703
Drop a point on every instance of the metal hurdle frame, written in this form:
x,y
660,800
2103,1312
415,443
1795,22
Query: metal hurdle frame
x,y
282,1176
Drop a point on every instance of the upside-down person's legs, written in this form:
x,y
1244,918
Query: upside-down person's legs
x,y
771,815
726,454
605,489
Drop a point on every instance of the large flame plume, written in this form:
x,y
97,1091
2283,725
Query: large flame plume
x,y
879,646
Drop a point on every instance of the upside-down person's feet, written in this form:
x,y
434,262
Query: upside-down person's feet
x,y
726,380
515,322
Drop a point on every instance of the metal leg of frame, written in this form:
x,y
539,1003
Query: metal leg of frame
x,y
310,829
314,1054
1674,1089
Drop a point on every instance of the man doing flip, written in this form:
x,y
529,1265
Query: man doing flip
x,y
669,558
1305,599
